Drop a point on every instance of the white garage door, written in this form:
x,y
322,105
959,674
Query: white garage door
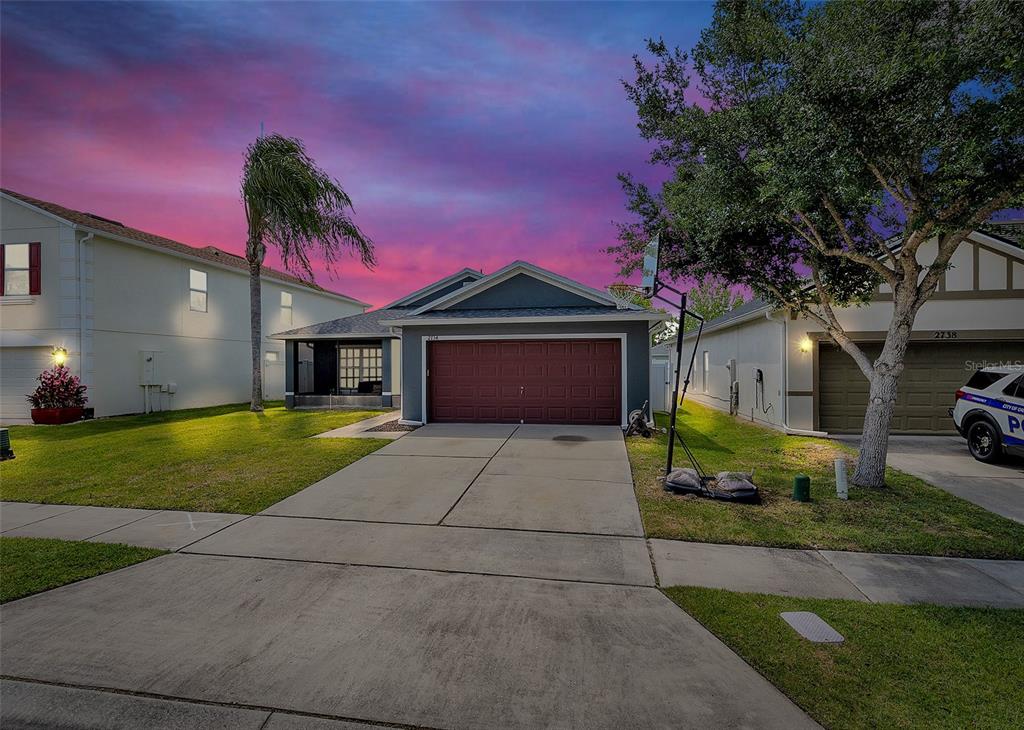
x,y
19,368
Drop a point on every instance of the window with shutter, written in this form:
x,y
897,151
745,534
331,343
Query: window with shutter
x,y
22,269
35,266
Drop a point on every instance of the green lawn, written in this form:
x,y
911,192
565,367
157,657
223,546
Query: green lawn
x,y
908,516
29,565
899,666
221,459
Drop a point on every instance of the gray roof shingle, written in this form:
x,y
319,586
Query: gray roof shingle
x,y
520,312
368,323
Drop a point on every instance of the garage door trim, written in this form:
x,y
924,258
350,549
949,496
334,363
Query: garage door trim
x,y
621,336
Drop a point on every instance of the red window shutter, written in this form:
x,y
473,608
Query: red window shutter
x,y
34,268
3,275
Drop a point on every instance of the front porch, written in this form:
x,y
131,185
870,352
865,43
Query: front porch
x,y
339,373
329,402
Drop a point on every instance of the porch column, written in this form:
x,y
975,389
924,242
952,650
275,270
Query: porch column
x,y
385,365
290,364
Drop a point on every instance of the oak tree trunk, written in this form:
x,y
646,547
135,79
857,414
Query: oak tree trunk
x,y
256,320
884,390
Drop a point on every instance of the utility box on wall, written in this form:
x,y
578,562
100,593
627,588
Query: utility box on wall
x,y
149,372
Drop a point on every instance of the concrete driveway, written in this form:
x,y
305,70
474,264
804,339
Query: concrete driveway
x,y
945,462
460,577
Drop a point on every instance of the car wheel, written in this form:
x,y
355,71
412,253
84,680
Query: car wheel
x,y
983,441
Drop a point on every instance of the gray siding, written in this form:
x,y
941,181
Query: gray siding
x,y
454,286
637,353
522,291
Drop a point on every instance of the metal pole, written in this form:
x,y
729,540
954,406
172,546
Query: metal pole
x,y
675,390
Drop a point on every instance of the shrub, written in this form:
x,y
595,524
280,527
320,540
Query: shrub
x,y
58,388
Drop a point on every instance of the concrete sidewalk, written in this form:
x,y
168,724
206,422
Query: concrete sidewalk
x,y
832,574
164,529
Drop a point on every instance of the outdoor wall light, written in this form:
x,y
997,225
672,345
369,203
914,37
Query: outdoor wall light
x,y
60,355
806,344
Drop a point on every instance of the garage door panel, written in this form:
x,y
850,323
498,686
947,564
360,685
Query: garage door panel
x,y
933,372
19,367
531,381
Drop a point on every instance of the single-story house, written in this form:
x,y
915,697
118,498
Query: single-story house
x,y
778,369
520,345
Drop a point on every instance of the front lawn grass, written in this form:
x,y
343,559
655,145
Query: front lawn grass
x,y
899,666
907,516
220,459
30,564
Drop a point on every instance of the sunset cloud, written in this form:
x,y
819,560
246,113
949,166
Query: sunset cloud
x,y
466,134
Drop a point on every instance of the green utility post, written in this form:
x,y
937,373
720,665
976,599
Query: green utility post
x,y
801,488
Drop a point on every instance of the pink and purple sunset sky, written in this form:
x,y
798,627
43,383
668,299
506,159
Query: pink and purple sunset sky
x,y
466,134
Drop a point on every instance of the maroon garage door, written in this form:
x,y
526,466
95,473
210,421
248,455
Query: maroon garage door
x,y
525,381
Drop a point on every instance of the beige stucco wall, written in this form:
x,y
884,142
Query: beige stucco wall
x,y
955,309
137,299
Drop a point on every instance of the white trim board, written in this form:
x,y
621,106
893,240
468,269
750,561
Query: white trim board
x,y
514,269
439,284
621,336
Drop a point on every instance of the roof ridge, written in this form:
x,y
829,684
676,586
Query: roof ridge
x,y
208,251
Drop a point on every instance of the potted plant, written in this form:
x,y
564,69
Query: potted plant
x,y
59,397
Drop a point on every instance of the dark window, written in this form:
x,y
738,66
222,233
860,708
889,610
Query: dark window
x,y
304,367
359,368
984,378
1015,388
21,267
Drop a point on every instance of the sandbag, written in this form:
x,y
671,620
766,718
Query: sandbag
x,y
684,479
736,483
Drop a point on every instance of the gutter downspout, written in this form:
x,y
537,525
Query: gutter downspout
x,y
81,303
784,379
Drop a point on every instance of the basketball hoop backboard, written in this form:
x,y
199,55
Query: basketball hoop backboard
x,y
650,271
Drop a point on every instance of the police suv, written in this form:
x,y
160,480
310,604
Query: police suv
x,y
989,412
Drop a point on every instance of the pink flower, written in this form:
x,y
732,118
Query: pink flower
x,y
58,388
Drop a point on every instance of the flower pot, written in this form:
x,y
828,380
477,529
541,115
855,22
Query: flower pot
x,y
56,416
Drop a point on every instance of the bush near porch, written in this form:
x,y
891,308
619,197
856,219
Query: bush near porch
x,y
219,459
908,516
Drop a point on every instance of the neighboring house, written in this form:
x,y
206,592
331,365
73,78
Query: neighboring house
x,y
521,345
663,360
789,375
147,322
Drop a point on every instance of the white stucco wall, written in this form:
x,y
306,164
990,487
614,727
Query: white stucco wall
x,y
137,299
755,344
31,326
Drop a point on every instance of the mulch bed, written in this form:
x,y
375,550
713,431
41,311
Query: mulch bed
x,y
393,426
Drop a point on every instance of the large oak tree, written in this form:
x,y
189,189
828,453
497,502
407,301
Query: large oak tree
x,y
830,144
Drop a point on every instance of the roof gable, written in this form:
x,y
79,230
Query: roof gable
x,y
440,288
519,292
521,285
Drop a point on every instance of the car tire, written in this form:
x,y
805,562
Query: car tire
x,y
983,441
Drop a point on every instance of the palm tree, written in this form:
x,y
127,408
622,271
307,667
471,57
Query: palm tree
x,y
294,206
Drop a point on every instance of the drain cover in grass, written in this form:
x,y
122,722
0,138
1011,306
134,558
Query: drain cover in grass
x,y
812,627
